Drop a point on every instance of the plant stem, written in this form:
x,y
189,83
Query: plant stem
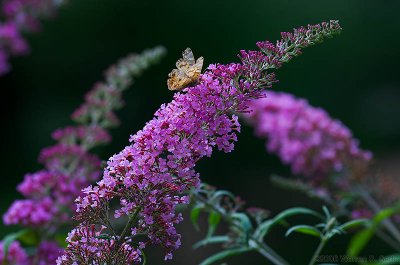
x,y
376,208
380,233
267,252
128,226
261,247
317,251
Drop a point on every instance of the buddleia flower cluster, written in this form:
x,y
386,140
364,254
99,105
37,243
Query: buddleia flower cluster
x,y
306,138
151,176
324,152
15,254
69,165
16,18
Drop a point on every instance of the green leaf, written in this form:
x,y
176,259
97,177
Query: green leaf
x,y
359,241
213,220
335,231
8,239
211,240
296,211
194,217
354,223
104,236
221,193
384,214
224,254
304,229
144,257
244,221
264,227
328,215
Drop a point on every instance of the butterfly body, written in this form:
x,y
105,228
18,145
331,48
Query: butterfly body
x,y
187,71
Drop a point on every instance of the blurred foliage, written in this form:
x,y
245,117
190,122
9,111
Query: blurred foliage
x,y
354,77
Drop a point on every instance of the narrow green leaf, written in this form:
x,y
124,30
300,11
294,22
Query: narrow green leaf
x,y
359,241
224,254
354,223
104,236
264,227
213,220
304,229
244,221
8,239
328,215
144,257
296,211
211,240
221,193
384,214
194,217
335,231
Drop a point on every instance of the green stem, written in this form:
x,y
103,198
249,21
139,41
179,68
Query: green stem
x,y
317,251
128,226
267,252
380,233
376,208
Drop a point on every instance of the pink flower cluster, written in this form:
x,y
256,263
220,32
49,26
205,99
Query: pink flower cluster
x,y
304,137
15,255
20,16
33,213
69,166
46,254
11,42
88,247
51,192
150,176
254,71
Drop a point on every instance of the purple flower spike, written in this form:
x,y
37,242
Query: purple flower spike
x,y
69,165
21,16
305,137
16,255
151,176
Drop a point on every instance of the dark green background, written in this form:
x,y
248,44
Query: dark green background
x,y
355,77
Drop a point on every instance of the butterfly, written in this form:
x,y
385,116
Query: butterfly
x,y
187,73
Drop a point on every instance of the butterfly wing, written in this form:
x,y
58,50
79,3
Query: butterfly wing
x,y
186,62
187,72
188,56
177,80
